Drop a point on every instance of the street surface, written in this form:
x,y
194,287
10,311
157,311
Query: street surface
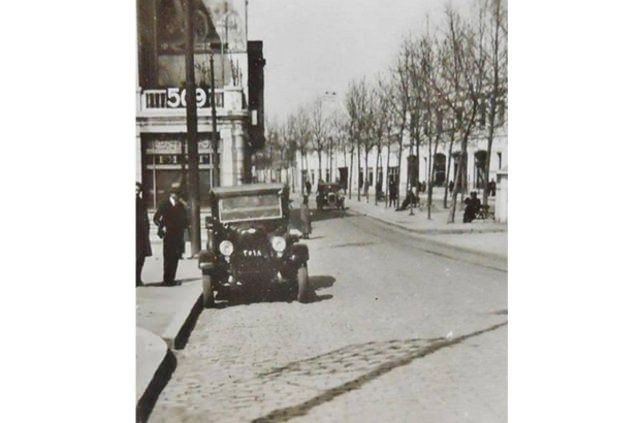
x,y
394,334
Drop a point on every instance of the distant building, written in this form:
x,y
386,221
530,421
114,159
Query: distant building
x,y
337,169
161,109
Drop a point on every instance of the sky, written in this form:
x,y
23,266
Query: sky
x,y
313,46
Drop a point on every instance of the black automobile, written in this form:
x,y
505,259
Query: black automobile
x,y
250,246
329,195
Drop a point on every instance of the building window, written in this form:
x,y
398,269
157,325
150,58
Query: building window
x,y
204,159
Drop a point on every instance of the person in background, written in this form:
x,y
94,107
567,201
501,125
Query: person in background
x,y
171,219
365,189
307,185
451,188
492,188
472,207
305,217
393,193
143,245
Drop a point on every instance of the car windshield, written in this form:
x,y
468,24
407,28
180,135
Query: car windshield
x,y
250,207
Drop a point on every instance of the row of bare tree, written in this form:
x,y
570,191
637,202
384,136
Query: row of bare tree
x,y
446,86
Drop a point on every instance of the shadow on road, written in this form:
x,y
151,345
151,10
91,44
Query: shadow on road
x,y
277,294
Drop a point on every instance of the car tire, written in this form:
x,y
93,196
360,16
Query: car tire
x,y
208,299
303,284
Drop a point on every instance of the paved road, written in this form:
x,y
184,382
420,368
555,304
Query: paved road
x,y
395,334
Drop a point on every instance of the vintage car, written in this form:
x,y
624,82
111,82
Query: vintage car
x,y
329,195
250,246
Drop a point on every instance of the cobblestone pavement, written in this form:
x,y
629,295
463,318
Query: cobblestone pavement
x,y
395,334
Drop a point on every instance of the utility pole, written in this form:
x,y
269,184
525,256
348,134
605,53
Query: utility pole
x,y
214,123
192,132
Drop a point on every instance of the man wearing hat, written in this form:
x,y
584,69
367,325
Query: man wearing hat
x,y
143,246
171,219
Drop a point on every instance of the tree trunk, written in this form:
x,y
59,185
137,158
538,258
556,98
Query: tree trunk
x,y
365,173
359,178
456,184
386,190
376,187
428,178
399,167
350,173
446,183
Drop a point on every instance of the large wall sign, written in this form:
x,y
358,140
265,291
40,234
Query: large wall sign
x,y
177,98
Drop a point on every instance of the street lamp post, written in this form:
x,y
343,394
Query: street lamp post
x,y
214,119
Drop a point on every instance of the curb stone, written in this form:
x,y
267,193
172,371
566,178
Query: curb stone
x,y
152,372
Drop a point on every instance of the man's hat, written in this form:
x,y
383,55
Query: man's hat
x,y
138,185
175,188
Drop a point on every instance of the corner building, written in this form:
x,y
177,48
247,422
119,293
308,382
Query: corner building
x,y
161,128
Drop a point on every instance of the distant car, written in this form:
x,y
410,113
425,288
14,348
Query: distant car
x,y
330,196
249,244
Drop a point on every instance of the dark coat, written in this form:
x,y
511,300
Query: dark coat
x,y
143,245
305,217
173,220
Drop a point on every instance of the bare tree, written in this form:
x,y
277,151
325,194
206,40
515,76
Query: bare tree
x,y
400,99
319,129
463,64
380,122
302,134
356,106
497,77
426,78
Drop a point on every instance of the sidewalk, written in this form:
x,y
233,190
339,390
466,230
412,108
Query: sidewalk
x,y
165,316
481,241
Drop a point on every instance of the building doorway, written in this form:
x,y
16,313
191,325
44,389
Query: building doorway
x,y
439,169
480,161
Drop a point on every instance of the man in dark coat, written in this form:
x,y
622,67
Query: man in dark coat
x,y
472,208
393,193
307,185
143,245
171,219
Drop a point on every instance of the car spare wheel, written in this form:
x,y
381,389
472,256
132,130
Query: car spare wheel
x,y
303,284
207,291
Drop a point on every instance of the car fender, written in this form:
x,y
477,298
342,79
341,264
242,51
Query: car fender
x,y
206,260
299,253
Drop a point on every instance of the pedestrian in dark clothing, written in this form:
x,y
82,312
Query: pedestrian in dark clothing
x,y
171,219
410,200
307,185
143,245
451,188
305,217
393,193
492,188
472,207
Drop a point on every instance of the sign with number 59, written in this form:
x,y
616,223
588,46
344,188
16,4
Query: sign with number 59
x,y
177,97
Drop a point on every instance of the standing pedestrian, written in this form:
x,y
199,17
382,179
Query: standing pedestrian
x,y
451,188
393,193
143,245
307,185
171,219
305,217
366,189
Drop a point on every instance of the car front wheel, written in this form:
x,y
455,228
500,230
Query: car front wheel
x,y
303,284
208,299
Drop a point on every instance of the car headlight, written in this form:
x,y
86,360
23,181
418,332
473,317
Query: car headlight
x,y
278,243
226,247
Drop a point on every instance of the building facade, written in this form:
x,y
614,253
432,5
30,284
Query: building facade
x,y
236,76
337,167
